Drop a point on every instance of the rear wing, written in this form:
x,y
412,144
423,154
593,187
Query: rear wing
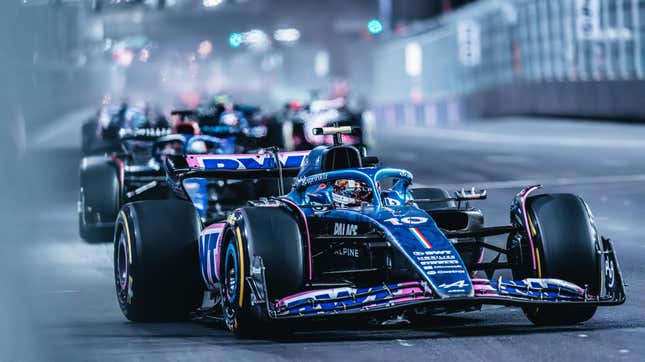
x,y
235,166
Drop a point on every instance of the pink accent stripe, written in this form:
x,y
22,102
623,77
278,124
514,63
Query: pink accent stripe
x,y
304,220
193,162
405,286
408,291
215,226
480,288
523,195
479,280
196,161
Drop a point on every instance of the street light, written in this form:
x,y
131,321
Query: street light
x,y
235,40
374,26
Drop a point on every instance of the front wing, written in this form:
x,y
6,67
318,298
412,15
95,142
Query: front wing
x,y
409,295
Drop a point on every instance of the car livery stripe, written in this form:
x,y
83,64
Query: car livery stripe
x,y
210,242
127,234
422,239
241,255
523,196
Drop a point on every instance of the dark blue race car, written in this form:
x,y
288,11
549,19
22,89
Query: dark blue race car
x,y
354,238
135,172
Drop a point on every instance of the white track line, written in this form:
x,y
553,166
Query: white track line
x,y
565,181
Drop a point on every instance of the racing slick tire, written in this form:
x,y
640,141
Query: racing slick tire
x,y
156,260
273,235
99,199
566,240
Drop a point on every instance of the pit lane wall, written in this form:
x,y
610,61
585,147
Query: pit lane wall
x,y
581,58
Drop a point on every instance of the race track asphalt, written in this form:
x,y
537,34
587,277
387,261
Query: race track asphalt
x,y
64,300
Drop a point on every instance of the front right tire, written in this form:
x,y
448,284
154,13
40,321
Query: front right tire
x,y
274,235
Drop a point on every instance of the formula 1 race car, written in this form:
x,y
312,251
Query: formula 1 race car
x,y
350,239
293,126
108,181
100,133
136,173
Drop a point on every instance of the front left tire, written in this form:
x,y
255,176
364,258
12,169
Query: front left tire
x,y
566,246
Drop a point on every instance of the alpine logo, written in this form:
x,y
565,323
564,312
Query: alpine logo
x,y
460,284
351,252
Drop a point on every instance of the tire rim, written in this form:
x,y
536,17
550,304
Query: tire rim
x,y
230,289
122,262
231,273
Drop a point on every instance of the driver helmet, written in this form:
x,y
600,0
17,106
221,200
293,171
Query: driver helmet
x,y
197,147
350,193
229,118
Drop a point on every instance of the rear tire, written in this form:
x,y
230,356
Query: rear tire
x,y
99,199
156,261
274,235
567,243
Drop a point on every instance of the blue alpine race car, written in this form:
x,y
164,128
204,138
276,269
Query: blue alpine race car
x,y
354,238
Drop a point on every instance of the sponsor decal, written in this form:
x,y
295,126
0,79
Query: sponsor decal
x,y
148,132
438,261
341,229
432,252
412,220
460,284
421,238
391,202
451,271
351,252
310,180
250,162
